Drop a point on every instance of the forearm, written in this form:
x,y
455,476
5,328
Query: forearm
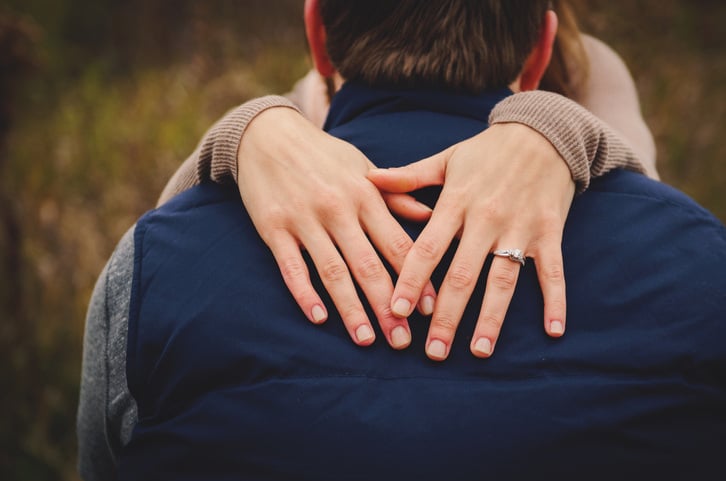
x,y
610,93
588,145
215,158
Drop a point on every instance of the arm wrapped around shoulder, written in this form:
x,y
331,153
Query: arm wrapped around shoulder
x,y
215,157
587,144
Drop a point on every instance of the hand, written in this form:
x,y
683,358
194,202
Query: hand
x,y
306,189
506,188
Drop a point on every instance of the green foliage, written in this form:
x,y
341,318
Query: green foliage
x,y
94,134
676,52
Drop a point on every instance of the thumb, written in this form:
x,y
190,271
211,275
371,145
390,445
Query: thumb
x,y
407,207
424,173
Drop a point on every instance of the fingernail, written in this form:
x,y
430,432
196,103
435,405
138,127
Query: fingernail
x,y
436,349
401,307
318,314
483,346
427,305
556,327
400,337
364,333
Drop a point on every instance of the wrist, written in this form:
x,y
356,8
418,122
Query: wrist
x,y
272,131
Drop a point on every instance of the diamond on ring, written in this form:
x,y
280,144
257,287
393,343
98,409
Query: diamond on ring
x,y
515,255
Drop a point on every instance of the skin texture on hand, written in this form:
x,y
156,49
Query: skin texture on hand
x,y
516,196
305,189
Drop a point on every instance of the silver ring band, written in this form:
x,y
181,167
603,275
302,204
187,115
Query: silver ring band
x,y
515,255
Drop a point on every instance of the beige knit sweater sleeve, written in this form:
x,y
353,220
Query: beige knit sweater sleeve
x,y
588,146
215,157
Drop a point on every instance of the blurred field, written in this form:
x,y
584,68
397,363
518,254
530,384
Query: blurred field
x,y
676,51
100,101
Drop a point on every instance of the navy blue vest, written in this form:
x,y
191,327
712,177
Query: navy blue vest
x,y
232,382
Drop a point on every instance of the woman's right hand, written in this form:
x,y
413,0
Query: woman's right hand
x,y
305,189
504,188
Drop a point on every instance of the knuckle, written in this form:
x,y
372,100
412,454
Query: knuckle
x,y
557,305
367,193
554,273
384,313
267,233
276,216
410,283
492,322
275,221
452,200
369,267
445,323
460,276
333,270
293,268
550,222
492,212
427,249
329,203
400,245
504,278
352,314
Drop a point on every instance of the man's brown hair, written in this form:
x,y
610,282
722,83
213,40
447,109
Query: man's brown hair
x,y
466,45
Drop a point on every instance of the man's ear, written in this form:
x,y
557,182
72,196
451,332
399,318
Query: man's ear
x,y
315,31
539,59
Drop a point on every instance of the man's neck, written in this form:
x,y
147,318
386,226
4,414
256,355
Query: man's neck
x,y
395,127
412,123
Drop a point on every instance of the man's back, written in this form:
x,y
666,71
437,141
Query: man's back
x,y
231,380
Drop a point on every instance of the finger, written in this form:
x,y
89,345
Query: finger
x,y
373,278
394,244
337,281
550,272
425,172
501,281
407,207
454,294
423,258
295,273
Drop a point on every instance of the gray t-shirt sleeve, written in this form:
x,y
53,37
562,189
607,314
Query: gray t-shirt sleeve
x,y
106,411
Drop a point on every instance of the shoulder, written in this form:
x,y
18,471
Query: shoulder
x,y
120,270
600,53
106,411
651,220
635,188
121,405
604,67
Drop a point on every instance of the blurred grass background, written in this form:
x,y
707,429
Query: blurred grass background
x,y
101,100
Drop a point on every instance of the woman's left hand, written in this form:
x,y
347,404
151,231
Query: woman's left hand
x,y
506,188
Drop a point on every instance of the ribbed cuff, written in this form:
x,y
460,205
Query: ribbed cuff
x,y
560,120
218,159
